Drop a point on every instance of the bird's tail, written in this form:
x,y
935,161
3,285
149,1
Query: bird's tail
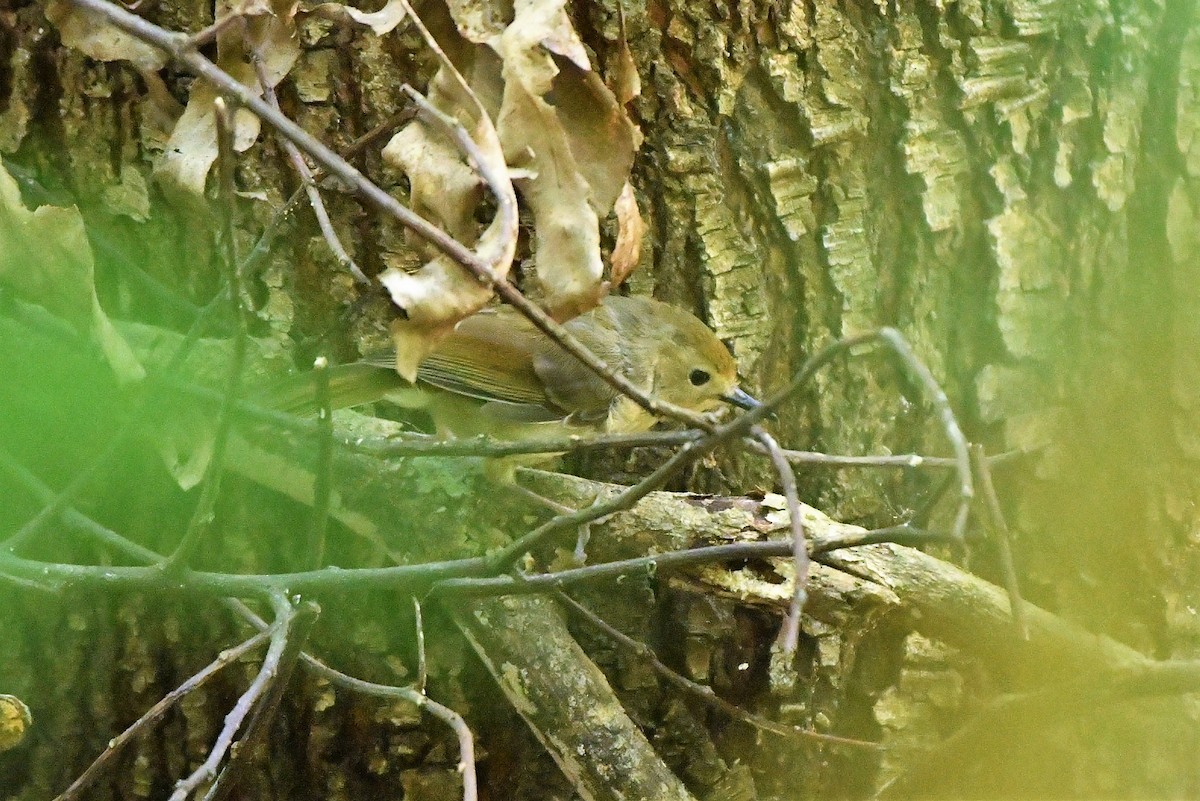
x,y
349,385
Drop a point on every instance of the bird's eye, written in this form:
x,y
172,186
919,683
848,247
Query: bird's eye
x,y
699,377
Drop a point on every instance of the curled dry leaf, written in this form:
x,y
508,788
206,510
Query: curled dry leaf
x,y
623,79
192,148
271,31
159,112
97,38
575,149
45,258
566,227
630,229
381,22
445,189
443,186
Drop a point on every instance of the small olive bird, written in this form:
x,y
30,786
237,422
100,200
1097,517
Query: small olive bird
x,y
497,375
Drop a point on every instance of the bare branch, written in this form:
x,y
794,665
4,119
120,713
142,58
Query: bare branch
x,y
1003,539
306,174
419,628
284,615
672,560
155,713
789,634
202,37
899,345
305,615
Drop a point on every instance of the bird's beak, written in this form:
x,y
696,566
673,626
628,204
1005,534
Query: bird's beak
x,y
741,399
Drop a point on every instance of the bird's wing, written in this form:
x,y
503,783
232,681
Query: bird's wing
x,y
569,384
489,356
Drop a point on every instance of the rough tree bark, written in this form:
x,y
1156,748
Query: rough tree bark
x,y
1012,184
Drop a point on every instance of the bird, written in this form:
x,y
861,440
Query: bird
x,y
499,376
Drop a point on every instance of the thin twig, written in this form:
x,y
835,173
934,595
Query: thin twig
x,y
1003,539
155,713
203,515
306,175
32,585
899,345
904,534
323,479
419,627
466,742
268,704
284,615
55,506
789,634
408,578
526,584
701,691
671,560
205,35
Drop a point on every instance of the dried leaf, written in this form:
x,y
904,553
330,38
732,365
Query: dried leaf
x,y
566,227
46,259
382,21
560,36
443,186
602,137
192,148
630,229
434,299
159,112
580,148
446,190
95,37
624,80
